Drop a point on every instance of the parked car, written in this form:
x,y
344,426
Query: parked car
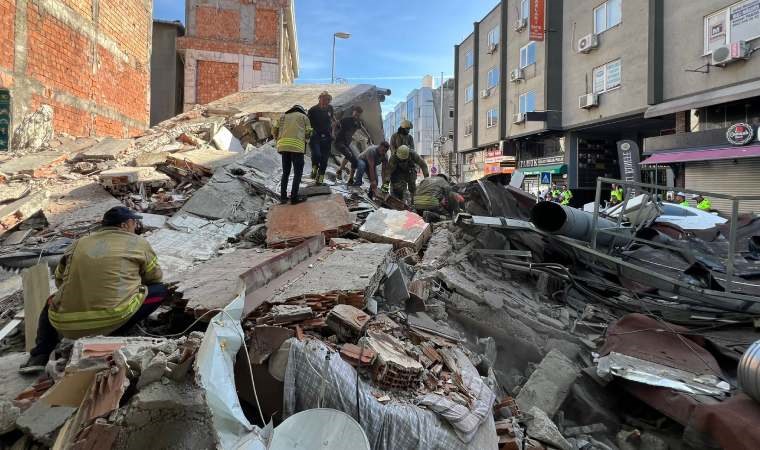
x,y
689,218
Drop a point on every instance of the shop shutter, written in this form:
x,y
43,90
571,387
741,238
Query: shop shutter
x,y
726,177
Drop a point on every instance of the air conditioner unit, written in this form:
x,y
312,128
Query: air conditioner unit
x,y
516,75
518,118
492,47
588,101
722,56
485,93
520,24
588,43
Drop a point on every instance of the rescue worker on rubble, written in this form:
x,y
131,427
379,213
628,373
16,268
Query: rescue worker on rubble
x,y
292,132
703,204
435,198
368,162
403,172
346,129
107,282
402,137
322,118
616,195
681,200
565,196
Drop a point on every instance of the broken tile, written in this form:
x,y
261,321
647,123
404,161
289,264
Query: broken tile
x,y
400,228
37,165
288,225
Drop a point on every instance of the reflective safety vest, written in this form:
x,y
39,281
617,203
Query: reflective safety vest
x,y
617,195
566,196
292,132
705,205
102,281
684,203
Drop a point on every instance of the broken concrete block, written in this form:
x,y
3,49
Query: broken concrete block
x,y
151,159
549,384
201,162
400,228
153,221
107,149
290,313
347,322
224,140
37,165
494,300
21,210
395,287
541,428
120,177
153,371
34,131
394,369
8,416
289,225
42,421
14,191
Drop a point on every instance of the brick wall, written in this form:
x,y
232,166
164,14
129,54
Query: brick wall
x,y
95,73
267,24
216,80
222,24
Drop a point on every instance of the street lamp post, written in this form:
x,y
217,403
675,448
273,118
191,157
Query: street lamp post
x,y
340,35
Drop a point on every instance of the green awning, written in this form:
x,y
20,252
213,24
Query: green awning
x,y
554,169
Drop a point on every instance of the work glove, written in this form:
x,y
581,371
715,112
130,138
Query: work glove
x,y
386,188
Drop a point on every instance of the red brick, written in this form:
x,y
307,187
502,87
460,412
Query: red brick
x,y
7,27
222,24
267,25
215,80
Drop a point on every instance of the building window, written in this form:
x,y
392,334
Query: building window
x,y
525,9
493,77
468,93
607,15
410,110
468,127
607,77
469,59
528,55
451,113
738,22
492,118
493,37
528,102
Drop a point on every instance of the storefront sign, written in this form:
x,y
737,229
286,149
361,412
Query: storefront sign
x,y
745,20
740,134
5,119
559,159
537,13
628,158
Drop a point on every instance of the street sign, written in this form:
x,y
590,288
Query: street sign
x,y
5,119
546,178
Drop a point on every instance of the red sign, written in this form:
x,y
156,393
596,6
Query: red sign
x,y
537,13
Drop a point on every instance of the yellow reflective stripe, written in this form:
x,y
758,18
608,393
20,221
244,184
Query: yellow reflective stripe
x,y
425,201
292,142
152,264
59,271
89,320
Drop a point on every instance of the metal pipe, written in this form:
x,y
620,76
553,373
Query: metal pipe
x,y
748,372
732,245
566,221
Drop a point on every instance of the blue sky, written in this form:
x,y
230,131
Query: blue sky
x,y
393,43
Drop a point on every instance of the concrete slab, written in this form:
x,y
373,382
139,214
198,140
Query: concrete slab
x,y
12,192
356,270
288,225
224,140
203,161
37,165
123,176
20,210
42,421
400,228
107,149
224,200
151,159
549,385
153,221
12,382
77,203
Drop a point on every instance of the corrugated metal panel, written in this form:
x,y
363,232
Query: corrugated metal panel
x,y
726,177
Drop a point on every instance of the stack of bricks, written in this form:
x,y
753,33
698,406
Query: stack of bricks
x,y
88,59
234,45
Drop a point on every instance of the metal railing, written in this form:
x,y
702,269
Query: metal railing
x,y
653,192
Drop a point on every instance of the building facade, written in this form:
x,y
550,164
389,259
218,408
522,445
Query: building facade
x,y
76,57
594,74
231,46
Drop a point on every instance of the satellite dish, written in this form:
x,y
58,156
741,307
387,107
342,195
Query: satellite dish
x,y
320,429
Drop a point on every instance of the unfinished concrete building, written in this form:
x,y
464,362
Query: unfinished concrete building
x,y
233,45
89,60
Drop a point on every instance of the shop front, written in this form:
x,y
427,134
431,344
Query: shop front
x,y
730,166
541,173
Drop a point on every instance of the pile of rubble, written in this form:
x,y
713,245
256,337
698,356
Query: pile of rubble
x,y
486,331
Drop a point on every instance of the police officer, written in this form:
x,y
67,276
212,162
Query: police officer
x,y
565,196
616,196
703,204
403,169
681,200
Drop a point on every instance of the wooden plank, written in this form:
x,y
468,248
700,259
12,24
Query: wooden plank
x,y
36,284
9,327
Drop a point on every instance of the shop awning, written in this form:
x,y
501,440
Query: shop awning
x,y
554,169
723,95
751,151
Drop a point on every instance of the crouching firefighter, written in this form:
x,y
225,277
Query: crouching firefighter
x,y
403,169
107,282
436,200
